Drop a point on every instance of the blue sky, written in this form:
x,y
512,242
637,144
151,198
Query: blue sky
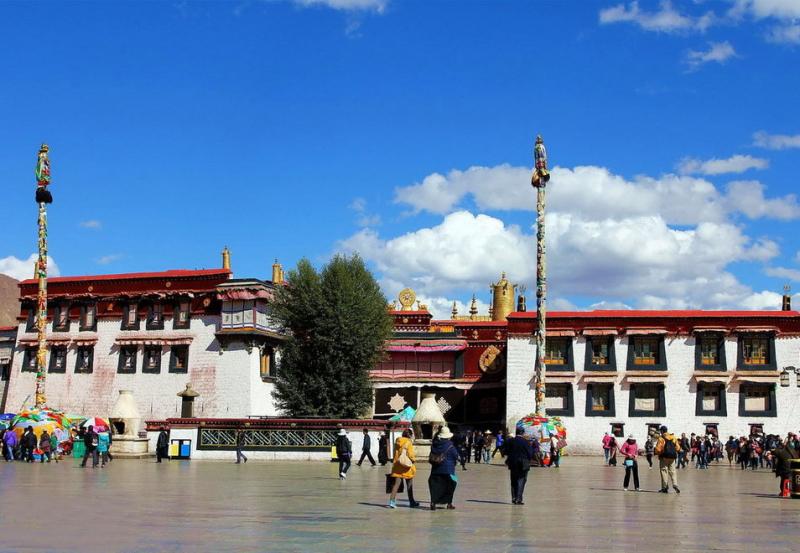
x,y
403,130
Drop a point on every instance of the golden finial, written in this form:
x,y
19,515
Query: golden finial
x,y
277,272
473,309
454,312
226,258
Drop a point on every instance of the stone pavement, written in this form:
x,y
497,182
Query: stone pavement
x,y
139,506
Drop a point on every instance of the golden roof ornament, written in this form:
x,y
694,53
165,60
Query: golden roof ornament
x,y
407,298
473,308
454,312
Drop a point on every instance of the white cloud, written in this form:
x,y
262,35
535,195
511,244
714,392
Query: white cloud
x,y
783,272
22,269
718,52
715,166
91,224
363,217
348,5
592,192
776,141
108,259
785,34
747,197
665,19
760,9
638,260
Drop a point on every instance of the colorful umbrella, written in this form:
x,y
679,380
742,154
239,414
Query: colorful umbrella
x,y
97,423
405,415
39,420
5,419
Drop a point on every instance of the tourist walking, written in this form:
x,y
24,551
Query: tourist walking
x,y
344,452
477,445
667,449
28,444
487,446
365,449
162,445
403,469
54,446
519,454
463,450
731,447
612,452
629,451
443,459
606,449
103,442
240,447
45,446
685,447
9,444
649,447
782,456
498,444
90,443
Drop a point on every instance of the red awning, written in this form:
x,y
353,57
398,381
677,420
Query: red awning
x,y
153,340
709,329
599,331
756,329
645,331
555,333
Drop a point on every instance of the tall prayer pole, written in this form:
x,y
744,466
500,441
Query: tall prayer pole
x,y
43,197
539,181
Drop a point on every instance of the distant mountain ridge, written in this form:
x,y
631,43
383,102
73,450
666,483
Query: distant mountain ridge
x,y
9,301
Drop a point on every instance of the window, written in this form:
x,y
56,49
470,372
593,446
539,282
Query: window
x,y
646,353
756,429
61,318
181,318
127,360
599,400
645,350
30,324
709,351
558,354
58,359
712,429
238,314
85,359
757,399
647,400
152,359
757,351
88,317
179,359
130,317
5,371
618,429
29,360
600,353
558,400
155,317
710,399
267,364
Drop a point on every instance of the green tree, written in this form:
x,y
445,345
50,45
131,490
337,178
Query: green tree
x,y
338,324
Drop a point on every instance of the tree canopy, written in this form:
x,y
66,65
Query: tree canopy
x,y
338,324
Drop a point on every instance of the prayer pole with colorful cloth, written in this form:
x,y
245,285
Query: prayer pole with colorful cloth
x,y
43,197
539,181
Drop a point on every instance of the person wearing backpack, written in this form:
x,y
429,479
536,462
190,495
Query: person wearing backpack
x,y
443,460
667,449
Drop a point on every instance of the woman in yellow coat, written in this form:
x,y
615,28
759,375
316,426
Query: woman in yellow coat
x,y
402,473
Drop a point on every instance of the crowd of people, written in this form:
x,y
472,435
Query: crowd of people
x,y
757,451
46,447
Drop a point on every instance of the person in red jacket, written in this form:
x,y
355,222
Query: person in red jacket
x,y
629,451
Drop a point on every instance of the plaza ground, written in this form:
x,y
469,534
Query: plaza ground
x,y
193,506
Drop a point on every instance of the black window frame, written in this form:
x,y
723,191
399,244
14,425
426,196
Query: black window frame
x,y
78,351
57,310
30,322
151,308
662,353
611,411
569,410
773,405
51,365
772,365
146,369
176,309
173,359
723,404
273,370
569,366
84,308
28,355
698,353
121,369
662,400
126,309
612,356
